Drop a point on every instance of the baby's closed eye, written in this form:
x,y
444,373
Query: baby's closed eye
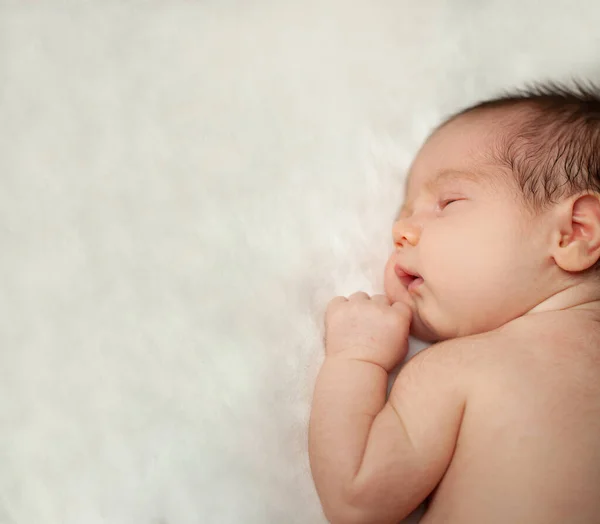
x,y
448,201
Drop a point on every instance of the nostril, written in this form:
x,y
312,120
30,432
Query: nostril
x,y
407,238
402,241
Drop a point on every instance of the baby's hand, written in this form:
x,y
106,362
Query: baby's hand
x,y
367,328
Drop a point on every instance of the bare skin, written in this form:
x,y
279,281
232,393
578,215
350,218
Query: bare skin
x,y
499,420
527,449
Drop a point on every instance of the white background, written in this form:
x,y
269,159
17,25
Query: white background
x,y
183,186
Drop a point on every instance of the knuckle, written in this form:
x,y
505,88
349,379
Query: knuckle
x,y
334,303
397,320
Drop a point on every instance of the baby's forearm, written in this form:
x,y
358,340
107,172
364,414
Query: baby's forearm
x,y
349,394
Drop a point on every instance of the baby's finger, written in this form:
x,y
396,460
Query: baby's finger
x,y
335,303
381,299
359,295
337,300
332,306
402,307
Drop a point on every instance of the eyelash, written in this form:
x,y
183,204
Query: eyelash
x,y
447,202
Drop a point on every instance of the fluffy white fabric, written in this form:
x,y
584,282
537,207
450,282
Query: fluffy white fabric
x,y
183,186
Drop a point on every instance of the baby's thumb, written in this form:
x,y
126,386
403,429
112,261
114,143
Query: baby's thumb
x,y
403,307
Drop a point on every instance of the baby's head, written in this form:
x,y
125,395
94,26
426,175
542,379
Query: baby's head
x,y
501,212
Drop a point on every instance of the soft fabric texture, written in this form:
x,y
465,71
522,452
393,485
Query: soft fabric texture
x,y
183,187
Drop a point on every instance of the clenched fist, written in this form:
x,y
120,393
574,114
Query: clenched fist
x,y
367,328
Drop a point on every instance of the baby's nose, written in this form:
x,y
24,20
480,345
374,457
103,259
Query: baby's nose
x,y
405,233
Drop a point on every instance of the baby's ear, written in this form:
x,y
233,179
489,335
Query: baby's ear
x,y
577,245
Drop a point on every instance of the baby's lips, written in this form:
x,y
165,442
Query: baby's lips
x,y
405,278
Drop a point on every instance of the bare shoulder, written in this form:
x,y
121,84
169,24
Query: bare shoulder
x,y
442,375
457,357
550,334
541,349
465,362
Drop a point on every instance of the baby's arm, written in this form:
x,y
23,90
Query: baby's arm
x,y
375,461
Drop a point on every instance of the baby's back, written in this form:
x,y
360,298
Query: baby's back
x,y
529,444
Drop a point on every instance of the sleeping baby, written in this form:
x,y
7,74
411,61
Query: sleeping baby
x,y
495,261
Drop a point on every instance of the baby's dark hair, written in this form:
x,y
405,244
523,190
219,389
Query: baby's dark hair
x,y
552,146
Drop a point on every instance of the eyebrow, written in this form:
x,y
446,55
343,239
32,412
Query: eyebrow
x,y
442,177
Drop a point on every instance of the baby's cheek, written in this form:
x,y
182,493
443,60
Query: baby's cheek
x,y
390,281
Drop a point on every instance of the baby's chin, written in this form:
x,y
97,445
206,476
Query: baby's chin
x,y
420,330
429,323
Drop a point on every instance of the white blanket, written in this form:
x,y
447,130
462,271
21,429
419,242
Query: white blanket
x,y
183,187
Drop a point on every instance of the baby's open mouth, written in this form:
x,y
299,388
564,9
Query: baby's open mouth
x,y
408,278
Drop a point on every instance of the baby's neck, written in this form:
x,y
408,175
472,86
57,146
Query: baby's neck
x,y
584,295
